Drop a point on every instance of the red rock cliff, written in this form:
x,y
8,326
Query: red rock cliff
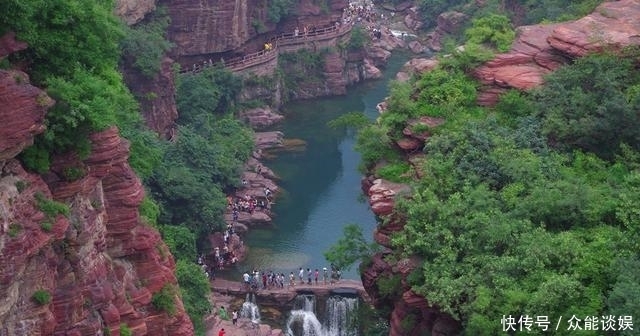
x,y
541,49
100,264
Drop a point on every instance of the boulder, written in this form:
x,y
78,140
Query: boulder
x,y
22,112
416,47
382,196
260,117
370,70
540,49
133,11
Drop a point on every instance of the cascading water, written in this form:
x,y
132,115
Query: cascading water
x,y
250,309
340,317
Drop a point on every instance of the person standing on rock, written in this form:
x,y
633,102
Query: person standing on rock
x,y
292,280
315,276
234,317
309,276
301,276
223,313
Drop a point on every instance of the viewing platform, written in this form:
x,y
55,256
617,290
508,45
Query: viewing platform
x,y
264,62
287,294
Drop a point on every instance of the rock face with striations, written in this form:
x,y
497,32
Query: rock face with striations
x,y
133,11
541,49
99,263
215,26
156,97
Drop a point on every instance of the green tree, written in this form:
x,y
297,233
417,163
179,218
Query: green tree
x,y
145,43
278,9
180,240
494,30
351,248
592,105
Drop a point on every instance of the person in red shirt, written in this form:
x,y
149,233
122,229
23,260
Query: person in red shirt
x,y
221,332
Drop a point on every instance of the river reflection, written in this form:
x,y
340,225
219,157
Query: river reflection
x,y
320,186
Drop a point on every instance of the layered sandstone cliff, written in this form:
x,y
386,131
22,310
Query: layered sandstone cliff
x,y
100,264
540,49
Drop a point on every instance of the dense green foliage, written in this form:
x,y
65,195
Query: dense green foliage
x,y
358,38
50,207
300,68
180,240
492,29
164,299
522,12
526,209
145,43
73,52
592,106
278,9
195,290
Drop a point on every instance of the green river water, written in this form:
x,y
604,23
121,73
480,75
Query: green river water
x,y
320,185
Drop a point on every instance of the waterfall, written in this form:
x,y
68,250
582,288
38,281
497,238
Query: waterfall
x,y
250,309
340,317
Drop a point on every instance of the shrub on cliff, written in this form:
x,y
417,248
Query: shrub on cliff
x,y
195,290
41,297
145,42
164,299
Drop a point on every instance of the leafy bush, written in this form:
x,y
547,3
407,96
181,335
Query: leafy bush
x,y
492,29
180,240
46,226
51,208
373,143
278,9
164,299
395,172
390,287
125,330
349,249
358,38
592,105
199,95
41,297
145,42
149,211
195,290
14,229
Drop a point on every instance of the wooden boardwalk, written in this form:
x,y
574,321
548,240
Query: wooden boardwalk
x,y
290,41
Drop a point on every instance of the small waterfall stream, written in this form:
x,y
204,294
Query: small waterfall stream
x,y
340,318
250,309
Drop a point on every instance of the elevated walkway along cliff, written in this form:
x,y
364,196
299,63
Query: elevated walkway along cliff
x,y
265,62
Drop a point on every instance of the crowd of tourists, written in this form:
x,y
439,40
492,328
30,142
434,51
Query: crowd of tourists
x,y
262,280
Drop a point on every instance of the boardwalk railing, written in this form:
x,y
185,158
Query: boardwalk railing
x,y
264,56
